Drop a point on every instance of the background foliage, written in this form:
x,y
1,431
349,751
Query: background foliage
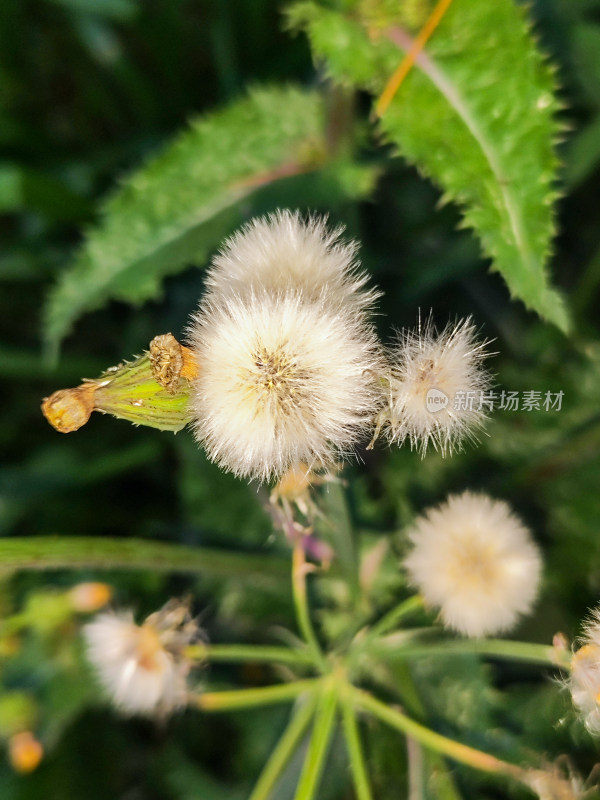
x,y
88,92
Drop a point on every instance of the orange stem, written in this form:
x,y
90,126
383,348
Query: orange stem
x,y
405,66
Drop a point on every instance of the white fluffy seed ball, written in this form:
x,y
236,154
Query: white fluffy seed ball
x,y
282,380
584,682
283,251
436,386
474,559
138,673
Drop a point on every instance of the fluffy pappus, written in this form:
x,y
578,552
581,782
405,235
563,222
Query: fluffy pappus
x,y
435,386
475,560
142,668
283,379
282,251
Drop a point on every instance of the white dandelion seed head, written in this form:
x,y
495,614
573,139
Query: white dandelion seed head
x,y
141,667
435,386
556,781
283,380
584,681
476,561
282,251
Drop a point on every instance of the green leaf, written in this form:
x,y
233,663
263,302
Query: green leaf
x,y
180,205
476,114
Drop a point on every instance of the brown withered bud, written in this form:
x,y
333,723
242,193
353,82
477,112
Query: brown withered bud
x,y
67,410
171,361
166,360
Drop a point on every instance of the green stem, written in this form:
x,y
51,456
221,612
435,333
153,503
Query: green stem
x,y
355,751
435,741
498,648
299,567
396,615
250,698
50,552
284,749
319,743
249,653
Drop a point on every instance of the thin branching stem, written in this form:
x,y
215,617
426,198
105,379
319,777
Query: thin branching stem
x,y
435,741
355,751
495,648
249,653
396,615
320,740
299,569
234,699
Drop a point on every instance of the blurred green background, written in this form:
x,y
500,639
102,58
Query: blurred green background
x,y
88,90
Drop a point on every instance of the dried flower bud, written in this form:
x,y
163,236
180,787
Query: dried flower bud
x,y
171,361
25,752
67,410
88,597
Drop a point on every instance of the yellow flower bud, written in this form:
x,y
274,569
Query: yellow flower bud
x,y
24,752
88,597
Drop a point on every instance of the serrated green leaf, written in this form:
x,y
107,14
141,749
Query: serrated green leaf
x,y
176,208
477,115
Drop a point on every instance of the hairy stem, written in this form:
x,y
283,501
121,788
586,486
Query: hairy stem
x,y
49,552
